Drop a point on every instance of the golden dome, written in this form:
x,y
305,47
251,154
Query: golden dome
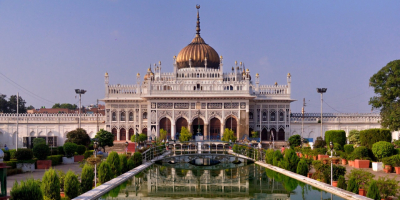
x,y
106,74
198,51
137,74
257,74
247,70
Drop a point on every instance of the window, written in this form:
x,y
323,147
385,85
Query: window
x,y
264,116
145,115
123,116
273,116
250,115
131,116
114,116
281,116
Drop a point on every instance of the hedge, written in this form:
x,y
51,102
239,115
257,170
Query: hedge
x,y
60,150
12,164
41,151
26,190
55,159
382,149
24,154
348,148
361,153
70,149
335,136
80,149
370,136
88,153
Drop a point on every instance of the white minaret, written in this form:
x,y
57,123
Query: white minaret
x,y
175,67
289,80
106,83
221,66
257,82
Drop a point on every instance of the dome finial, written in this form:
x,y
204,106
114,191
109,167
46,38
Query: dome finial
x,y
198,21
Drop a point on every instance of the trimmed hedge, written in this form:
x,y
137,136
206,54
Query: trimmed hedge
x,y
24,154
88,153
26,190
60,150
336,136
41,151
55,159
348,148
12,164
382,149
360,153
294,141
70,149
80,149
370,136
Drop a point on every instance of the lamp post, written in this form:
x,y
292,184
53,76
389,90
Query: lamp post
x,y
331,146
126,147
80,92
321,91
95,145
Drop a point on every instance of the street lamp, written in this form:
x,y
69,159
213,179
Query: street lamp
x,y
80,92
331,146
126,147
321,91
95,145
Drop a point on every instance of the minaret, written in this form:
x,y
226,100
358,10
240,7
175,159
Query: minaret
x,y
289,81
106,83
221,66
257,82
175,66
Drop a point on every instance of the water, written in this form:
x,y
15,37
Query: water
x,y
221,181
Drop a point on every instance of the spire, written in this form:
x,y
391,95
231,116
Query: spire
x,y
198,21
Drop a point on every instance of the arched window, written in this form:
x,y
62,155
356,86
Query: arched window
x,y
281,116
264,116
130,116
122,116
273,118
114,116
250,115
145,115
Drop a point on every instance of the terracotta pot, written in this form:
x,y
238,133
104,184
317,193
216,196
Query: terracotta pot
x,y
397,170
325,161
301,155
62,194
320,156
344,161
388,169
315,157
361,164
78,158
335,161
309,175
43,164
334,183
362,192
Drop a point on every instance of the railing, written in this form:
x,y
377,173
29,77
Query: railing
x,y
153,152
206,147
254,153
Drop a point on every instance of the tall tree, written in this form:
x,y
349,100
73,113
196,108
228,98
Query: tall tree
x,y
65,105
3,104
105,138
12,104
386,84
79,137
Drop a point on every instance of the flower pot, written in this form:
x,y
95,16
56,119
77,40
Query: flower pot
x,y
334,183
361,164
377,166
315,157
26,167
362,192
344,161
78,158
388,169
309,175
43,164
397,170
301,155
62,194
320,156
325,161
67,160
335,161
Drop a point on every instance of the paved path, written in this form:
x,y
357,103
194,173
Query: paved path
x,y
38,174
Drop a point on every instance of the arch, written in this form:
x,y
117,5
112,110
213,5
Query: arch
x,y
130,116
113,116
165,124
281,134
231,123
131,132
264,116
196,124
215,128
273,116
122,134
144,131
281,117
273,130
181,122
250,115
145,115
122,116
114,132
265,136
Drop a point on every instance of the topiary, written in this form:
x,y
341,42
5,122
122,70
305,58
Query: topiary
x,y
61,150
71,185
41,151
277,158
352,186
302,167
337,147
105,173
123,159
24,154
335,136
361,153
382,149
371,136
113,161
341,183
319,143
70,149
373,191
269,156
26,190
80,149
87,178
50,185
294,141
37,141
348,148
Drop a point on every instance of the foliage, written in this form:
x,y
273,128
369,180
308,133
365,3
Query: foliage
x,y
163,135
185,135
10,106
12,164
387,186
26,190
361,153
382,149
71,185
61,177
141,138
130,163
361,177
79,137
123,160
104,138
354,137
80,149
338,171
348,148
352,186
87,178
41,151
373,191
65,105
341,183
254,134
69,149
55,159
105,174
88,153
321,151
24,154
269,156
396,143
371,136
290,160
302,168
335,136
37,141
277,157
319,143
396,160
386,85
61,150
50,185
388,161
137,159
113,160
294,141
228,135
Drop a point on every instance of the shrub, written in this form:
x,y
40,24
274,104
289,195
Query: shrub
x,y
61,150
123,160
269,156
321,151
37,141
352,186
396,160
361,177
373,191
382,149
348,148
88,153
41,151
105,173
113,160
12,164
361,153
337,147
80,149
69,149
319,143
79,137
6,155
388,161
387,187
396,151
290,160
55,159
341,183
71,185
294,141
277,157
228,135
354,137
51,185
335,136
338,171
371,136
12,153
87,178
26,190
24,154
137,159
302,168
53,151
130,163
61,177
185,135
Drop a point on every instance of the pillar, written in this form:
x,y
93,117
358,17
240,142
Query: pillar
x,y
222,129
127,134
190,127
173,132
205,132
118,138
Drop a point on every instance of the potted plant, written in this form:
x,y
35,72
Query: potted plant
x,y
80,150
381,149
326,160
321,153
396,163
41,151
24,160
335,160
361,159
362,179
338,171
314,154
350,159
387,187
69,150
343,155
388,162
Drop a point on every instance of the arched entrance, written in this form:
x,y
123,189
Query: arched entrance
x,y
131,133
165,124
144,131
181,122
231,123
265,135
274,134
215,129
122,134
196,124
114,132
281,134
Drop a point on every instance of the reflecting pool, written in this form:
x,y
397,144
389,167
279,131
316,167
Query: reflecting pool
x,y
221,181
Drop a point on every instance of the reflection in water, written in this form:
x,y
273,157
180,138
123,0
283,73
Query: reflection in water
x,y
226,182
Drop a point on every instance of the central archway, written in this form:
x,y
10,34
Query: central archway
x,y
231,123
197,124
165,124
264,135
114,132
215,129
122,134
181,122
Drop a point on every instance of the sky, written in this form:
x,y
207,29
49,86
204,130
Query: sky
x,y
50,48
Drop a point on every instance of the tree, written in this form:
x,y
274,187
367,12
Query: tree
x,y
12,104
163,135
65,105
294,141
386,84
104,138
228,135
30,107
79,137
254,134
354,137
185,135
3,104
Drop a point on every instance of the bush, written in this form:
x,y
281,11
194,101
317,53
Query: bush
x,y
184,135
228,135
373,191
87,178
80,149
361,177
294,141
269,156
371,136
24,154
302,168
290,161
88,153
55,159
321,151
50,185
79,137
137,159
348,148
113,160
277,157
130,163
382,149
12,164
37,141
319,143
105,173
123,159
352,186
41,151
71,185
387,187
61,177
26,190
70,149
341,183
335,136
7,156
337,147
338,171
388,161
354,137
61,150
361,153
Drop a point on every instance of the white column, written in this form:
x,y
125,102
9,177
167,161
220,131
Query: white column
x,y
118,134
173,132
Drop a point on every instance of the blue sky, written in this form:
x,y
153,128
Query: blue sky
x,y
52,47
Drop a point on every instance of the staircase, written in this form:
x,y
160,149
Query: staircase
x,y
119,147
